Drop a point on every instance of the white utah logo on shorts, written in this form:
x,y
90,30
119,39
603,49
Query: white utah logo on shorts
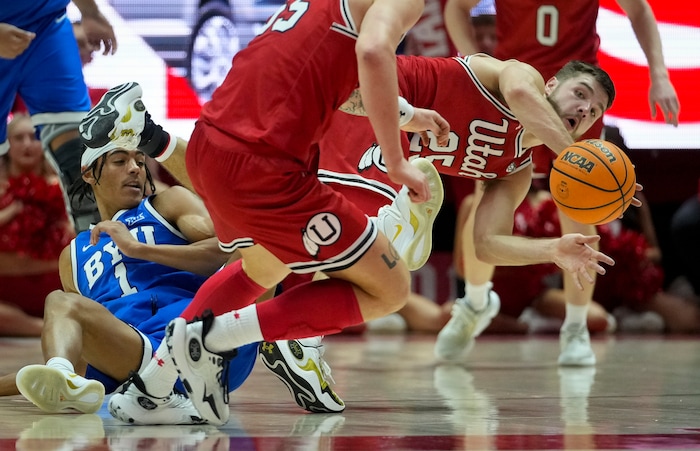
x,y
323,229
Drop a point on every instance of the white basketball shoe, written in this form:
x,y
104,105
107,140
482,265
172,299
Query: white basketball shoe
x,y
408,225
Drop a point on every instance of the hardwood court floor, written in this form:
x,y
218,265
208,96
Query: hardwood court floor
x,y
644,393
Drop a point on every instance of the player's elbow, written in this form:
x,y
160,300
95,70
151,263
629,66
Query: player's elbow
x,y
372,53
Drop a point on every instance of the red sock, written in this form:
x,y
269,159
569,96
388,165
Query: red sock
x,y
228,289
310,309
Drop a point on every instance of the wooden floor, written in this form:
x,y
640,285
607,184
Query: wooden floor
x,y
644,393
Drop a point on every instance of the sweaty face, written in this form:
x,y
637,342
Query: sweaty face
x,y
579,101
122,181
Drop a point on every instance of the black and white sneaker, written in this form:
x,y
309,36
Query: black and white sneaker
x,y
118,118
299,364
203,373
135,406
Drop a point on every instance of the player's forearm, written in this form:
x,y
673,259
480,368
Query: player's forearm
x,y
203,257
527,101
458,22
379,90
175,165
646,30
87,8
510,250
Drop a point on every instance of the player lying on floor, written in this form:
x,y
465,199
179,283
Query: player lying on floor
x,y
125,279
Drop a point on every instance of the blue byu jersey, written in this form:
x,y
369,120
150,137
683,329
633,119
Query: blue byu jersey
x,y
142,293
24,14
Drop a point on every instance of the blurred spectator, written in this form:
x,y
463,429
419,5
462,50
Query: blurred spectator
x,y
34,229
429,36
484,23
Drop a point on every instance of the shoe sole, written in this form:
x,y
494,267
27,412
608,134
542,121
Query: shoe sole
x,y
587,361
425,213
304,395
50,391
204,402
105,114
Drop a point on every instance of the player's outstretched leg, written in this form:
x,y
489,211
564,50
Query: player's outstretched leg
x,y
408,225
299,364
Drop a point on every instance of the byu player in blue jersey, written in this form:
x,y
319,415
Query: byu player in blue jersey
x,y
137,264
123,281
40,61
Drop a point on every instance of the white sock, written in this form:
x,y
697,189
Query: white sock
x,y
160,373
575,314
478,295
234,329
61,364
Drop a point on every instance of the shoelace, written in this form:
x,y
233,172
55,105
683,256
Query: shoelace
x,y
325,367
573,333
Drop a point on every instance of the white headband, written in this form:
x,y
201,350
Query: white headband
x,y
90,155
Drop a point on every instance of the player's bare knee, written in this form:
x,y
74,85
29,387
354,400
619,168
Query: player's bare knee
x,y
395,294
63,304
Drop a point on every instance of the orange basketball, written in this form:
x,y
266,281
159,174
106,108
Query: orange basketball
x,y
592,181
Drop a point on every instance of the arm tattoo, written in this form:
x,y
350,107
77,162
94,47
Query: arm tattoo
x,y
354,104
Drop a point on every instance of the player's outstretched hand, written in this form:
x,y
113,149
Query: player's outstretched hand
x,y
425,121
636,202
573,253
663,94
99,32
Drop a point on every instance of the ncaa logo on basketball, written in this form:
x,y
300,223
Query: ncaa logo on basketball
x,y
578,160
323,229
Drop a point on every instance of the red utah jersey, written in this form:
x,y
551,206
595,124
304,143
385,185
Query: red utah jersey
x,y
307,74
547,34
485,137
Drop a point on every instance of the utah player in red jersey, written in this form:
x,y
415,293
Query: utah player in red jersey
x,y
498,111
546,34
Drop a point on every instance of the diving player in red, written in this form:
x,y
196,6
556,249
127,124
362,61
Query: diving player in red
x,y
498,110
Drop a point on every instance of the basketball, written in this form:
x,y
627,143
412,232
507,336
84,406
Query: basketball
x,y
592,181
